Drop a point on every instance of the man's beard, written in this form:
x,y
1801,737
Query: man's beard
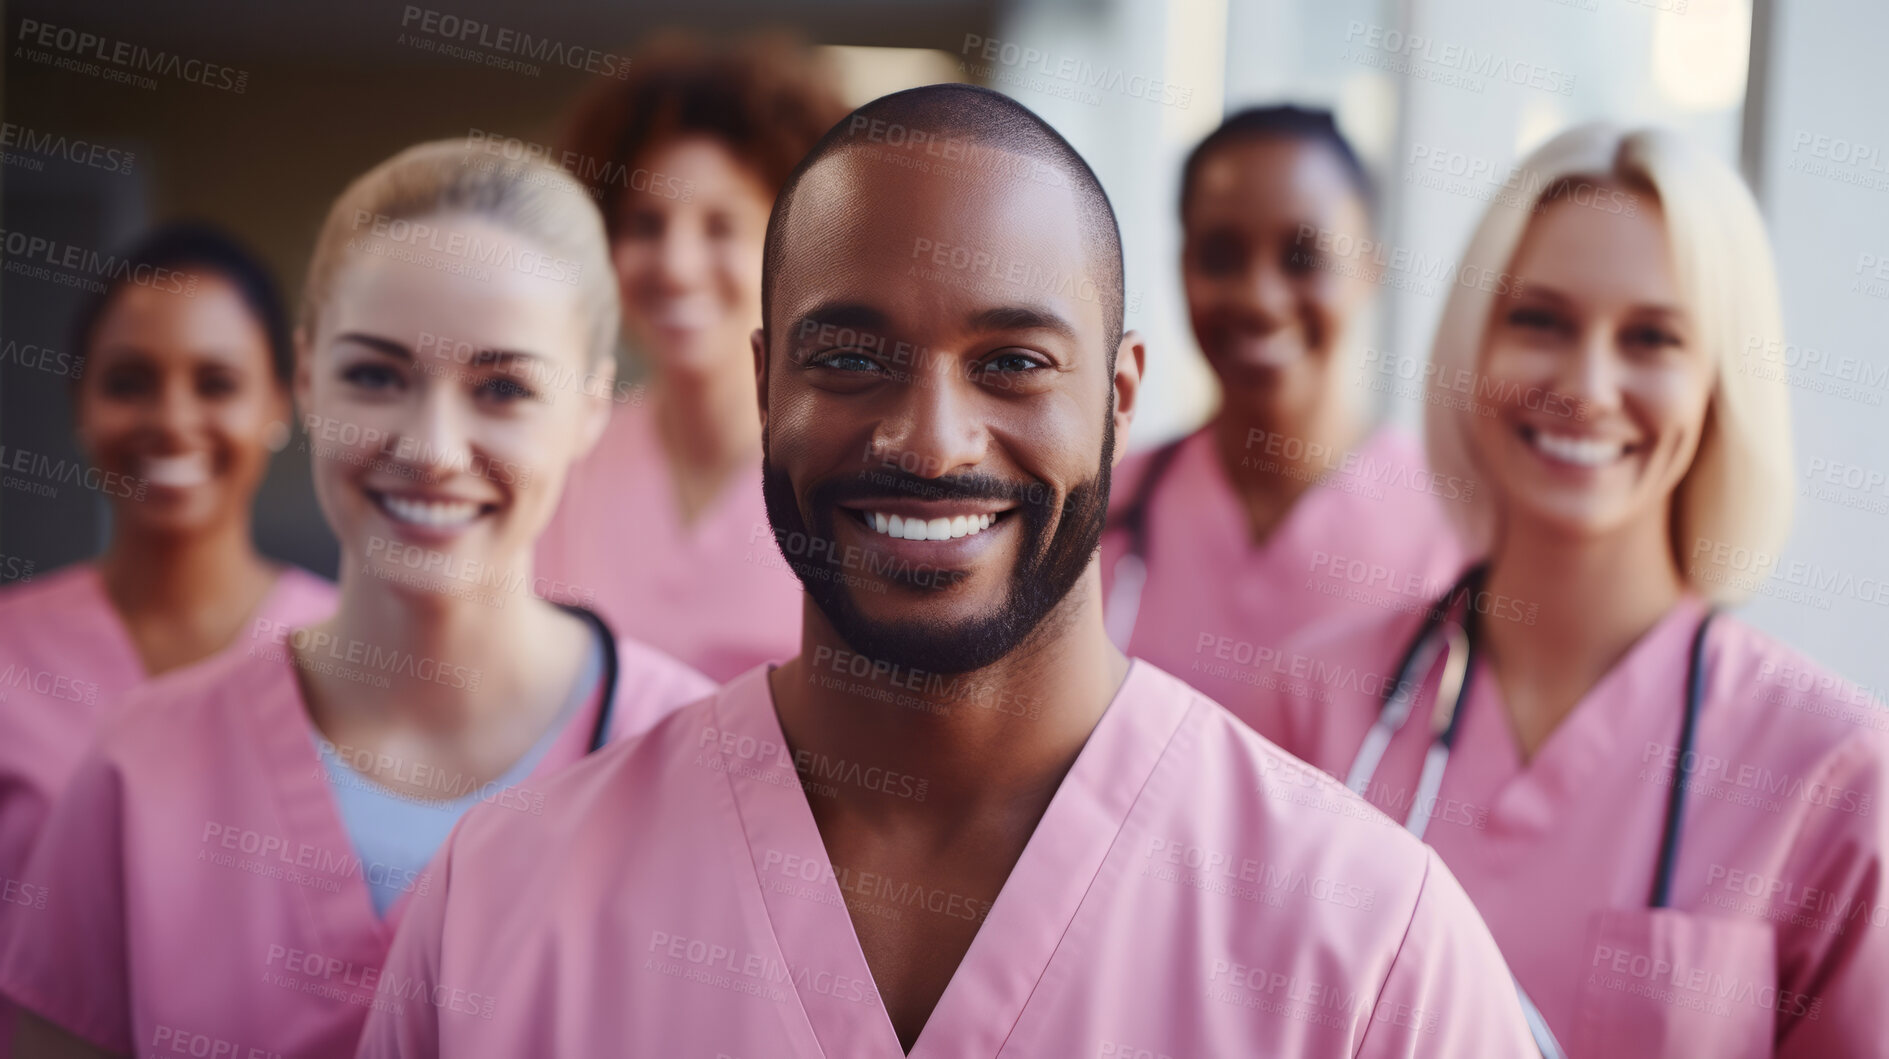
x,y
1047,567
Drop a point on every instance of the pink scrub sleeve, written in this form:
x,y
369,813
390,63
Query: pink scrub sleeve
x,y
79,907
1838,865
1435,1000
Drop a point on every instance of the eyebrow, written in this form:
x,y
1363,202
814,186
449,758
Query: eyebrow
x,y
855,315
1550,294
1024,318
862,317
394,349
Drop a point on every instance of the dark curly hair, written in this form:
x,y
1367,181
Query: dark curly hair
x,y
768,99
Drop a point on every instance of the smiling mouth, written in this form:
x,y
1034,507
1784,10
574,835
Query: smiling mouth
x,y
431,514
175,472
1574,450
942,528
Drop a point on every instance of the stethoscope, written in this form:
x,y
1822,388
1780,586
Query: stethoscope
x,y
1441,634
600,731
1123,605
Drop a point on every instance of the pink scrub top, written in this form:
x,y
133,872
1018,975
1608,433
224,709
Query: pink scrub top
x,y
65,656
677,901
1777,938
716,594
202,894
1370,537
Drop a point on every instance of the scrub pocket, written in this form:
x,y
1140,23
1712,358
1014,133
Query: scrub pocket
x,y
1658,983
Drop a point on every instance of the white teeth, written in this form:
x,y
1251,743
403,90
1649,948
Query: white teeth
x,y
937,529
176,472
435,513
1583,452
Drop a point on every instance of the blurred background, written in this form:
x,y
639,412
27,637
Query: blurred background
x,y
309,94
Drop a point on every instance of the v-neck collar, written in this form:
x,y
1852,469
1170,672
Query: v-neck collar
x,y
1039,900
280,727
1633,696
119,640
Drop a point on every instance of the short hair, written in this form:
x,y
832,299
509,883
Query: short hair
x,y
526,196
1738,490
766,99
1285,122
204,248
974,117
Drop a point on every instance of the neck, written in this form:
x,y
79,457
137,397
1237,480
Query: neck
x,y
1272,456
181,573
1591,598
440,660
998,739
708,422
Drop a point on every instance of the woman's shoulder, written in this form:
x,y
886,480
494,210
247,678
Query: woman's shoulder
x,y
1790,705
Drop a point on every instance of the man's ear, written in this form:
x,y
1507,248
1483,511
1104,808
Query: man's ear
x,y
1131,360
757,341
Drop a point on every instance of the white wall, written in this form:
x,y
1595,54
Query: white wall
x,y
1828,209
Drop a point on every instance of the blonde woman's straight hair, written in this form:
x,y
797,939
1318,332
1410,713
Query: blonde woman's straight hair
x,y
432,183
1732,510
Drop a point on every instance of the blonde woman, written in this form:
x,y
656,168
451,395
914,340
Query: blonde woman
x,y
228,865
1671,822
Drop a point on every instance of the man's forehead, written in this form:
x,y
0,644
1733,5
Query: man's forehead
x,y
861,216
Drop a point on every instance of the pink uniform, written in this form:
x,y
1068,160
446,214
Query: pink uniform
x,y
716,594
1776,941
1370,537
202,896
677,900
64,657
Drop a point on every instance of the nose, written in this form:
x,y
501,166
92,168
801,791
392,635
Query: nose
x,y
434,439
934,429
178,412
1591,377
1266,295
681,255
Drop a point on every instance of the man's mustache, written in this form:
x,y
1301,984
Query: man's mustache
x,y
891,483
